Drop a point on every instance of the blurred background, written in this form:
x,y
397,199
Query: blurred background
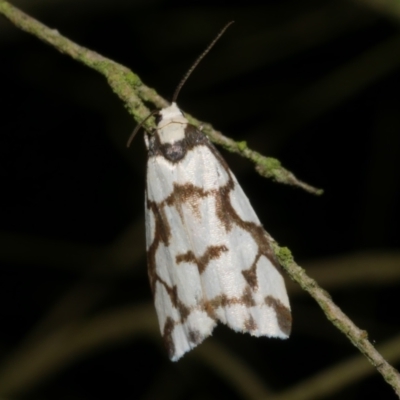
x,y
312,83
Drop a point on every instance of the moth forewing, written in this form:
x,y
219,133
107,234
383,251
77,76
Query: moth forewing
x,y
208,255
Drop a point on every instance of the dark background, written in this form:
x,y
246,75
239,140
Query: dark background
x,y
312,83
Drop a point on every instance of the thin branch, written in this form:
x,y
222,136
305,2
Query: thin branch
x,y
345,373
338,318
370,268
133,93
267,167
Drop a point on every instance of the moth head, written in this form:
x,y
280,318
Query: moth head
x,y
164,117
172,125
138,126
169,115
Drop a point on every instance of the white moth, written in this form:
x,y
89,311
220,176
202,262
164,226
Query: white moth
x,y
209,258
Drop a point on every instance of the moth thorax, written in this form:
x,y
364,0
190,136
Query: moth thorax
x,y
172,124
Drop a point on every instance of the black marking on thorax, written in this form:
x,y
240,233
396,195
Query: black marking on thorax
x,y
176,151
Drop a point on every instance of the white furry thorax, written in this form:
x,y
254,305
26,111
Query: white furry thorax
x,y
172,124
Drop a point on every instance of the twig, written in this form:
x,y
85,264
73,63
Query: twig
x,y
370,268
266,166
133,92
357,336
332,380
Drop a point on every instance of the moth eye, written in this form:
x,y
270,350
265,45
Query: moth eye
x,y
157,117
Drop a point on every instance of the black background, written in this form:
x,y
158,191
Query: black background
x,y
312,83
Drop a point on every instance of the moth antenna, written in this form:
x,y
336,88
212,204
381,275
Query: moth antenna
x,y
183,80
196,63
138,126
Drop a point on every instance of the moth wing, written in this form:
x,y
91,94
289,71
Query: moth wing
x,y
241,285
250,295
171,240
209,257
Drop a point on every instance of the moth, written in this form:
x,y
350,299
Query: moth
x,y
209,258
